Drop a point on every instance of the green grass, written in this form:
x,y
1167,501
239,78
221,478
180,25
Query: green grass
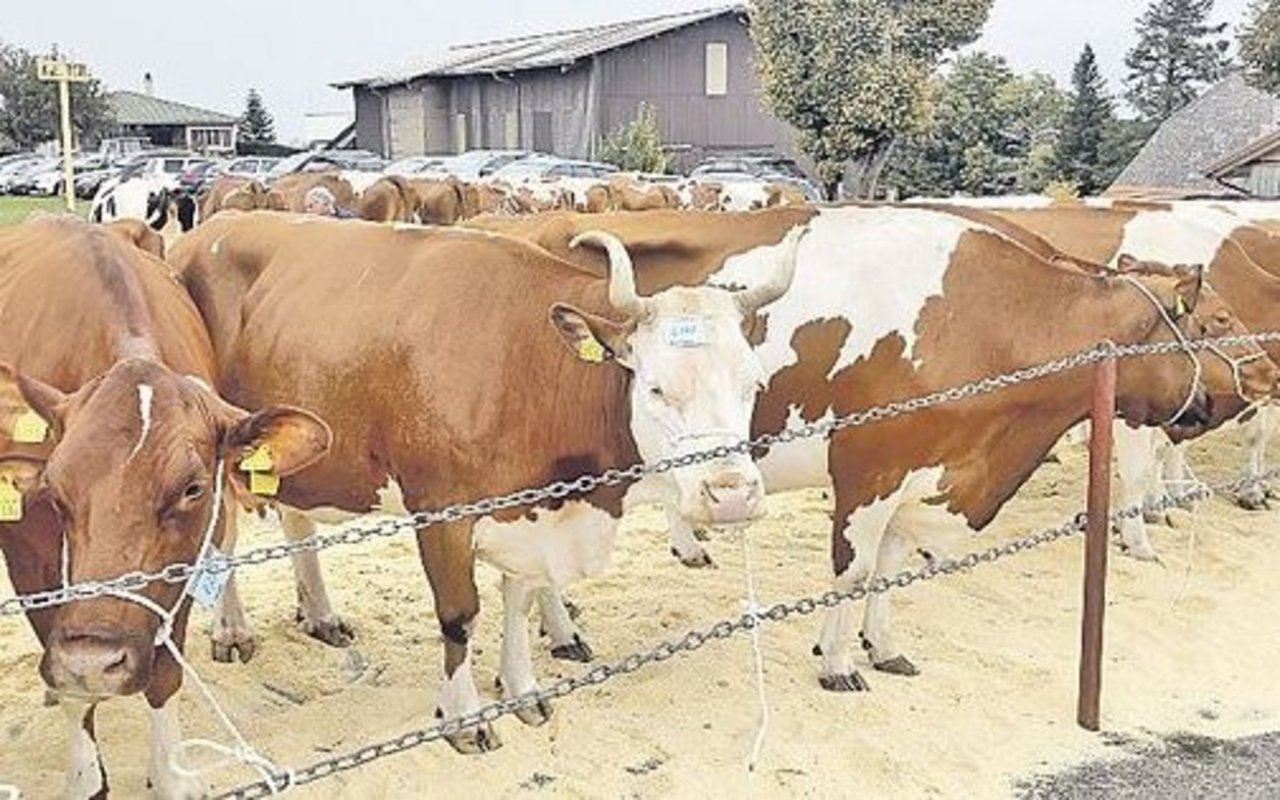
x,y
15,209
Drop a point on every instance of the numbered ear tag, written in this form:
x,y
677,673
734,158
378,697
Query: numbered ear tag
x,y
30,428
10,502
258,461
591,351
685,332
264,484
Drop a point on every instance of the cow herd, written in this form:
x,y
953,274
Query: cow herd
x,y
336,367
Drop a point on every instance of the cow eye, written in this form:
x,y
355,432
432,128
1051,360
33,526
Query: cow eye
x,y
193,492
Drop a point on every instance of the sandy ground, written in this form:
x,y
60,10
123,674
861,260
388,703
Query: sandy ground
x,y
1188,650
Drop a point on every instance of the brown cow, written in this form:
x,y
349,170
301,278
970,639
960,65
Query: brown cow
x,y
430,351
111,434
139,234
240,194
892,303
390,199
293,190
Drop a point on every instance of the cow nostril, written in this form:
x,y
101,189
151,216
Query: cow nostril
x,y
116,663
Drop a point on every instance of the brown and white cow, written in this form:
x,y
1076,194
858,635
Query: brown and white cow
x,y
228,193
890,303
293,189
455,365
111,434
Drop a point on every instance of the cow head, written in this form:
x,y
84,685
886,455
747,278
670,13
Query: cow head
x,y
1189,391
694,375
129,467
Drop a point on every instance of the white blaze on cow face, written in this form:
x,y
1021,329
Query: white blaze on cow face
x,y
695,377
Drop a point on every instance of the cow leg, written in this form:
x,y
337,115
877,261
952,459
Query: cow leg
x,y
85,776
516,674
863,531
230,633
449,560
684,541
1135,459
877,636
1175,477
567,643
315,613
1257,431
166,734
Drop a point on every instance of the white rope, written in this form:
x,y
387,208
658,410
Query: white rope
x,y
243,752
756,611
1181,340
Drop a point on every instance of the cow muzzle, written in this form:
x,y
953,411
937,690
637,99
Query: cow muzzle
x,y
729,498
96,664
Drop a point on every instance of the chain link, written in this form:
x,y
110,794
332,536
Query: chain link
x,y
559,490
697,639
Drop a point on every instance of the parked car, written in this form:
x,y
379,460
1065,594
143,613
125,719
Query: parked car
x,y
254,167
163,167
49,181
15,167
548,167
323,160
475,164
198,175
417,165
766,168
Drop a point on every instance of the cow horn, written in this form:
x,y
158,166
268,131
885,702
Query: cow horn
x,y
622,275
752,300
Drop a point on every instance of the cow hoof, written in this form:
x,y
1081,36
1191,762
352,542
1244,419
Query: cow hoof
x,y
535,715
475,741
1254,499
577,650
699,560
853,682
1144,553
333,631
227,651
897,666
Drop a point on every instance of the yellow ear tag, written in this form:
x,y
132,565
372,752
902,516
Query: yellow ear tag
x,y
10,502
591,351
258,461
30,428
264,484
1181,307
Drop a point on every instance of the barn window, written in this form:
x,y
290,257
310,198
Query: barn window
x,y
460,133
717,69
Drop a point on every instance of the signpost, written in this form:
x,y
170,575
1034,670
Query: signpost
x,y
65,73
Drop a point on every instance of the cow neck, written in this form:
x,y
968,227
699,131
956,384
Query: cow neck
x,y
1252,292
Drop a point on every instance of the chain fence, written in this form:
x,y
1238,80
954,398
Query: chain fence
x,y
179,573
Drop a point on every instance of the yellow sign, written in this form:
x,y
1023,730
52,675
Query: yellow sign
x,y
30,428
265,484
10,502
258,461
55,69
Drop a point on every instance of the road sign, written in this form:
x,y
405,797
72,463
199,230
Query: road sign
x,y
55,69
65,73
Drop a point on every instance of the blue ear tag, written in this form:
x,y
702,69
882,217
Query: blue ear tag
x,y
685,332
209,585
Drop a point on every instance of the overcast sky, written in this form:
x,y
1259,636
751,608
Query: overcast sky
x,y
209,54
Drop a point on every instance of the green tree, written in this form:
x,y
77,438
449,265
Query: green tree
x,y
256,123
852,76
989,132
1260,45
29,113
1090,115
1178,53
637,146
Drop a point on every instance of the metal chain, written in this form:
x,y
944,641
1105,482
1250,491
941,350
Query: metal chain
x,y
697,639
559,490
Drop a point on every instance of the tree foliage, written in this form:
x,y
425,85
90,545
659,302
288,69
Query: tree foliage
x,y
990,131
1177,55
1260,45
1081,150
29,112
853,75
637,145
256,123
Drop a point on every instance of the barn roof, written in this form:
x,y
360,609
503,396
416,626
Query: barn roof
x,y
1175,162
540,51
138,109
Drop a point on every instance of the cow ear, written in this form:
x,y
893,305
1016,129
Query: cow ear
x,y
1190,285
592,339
282,439
1127,263
28,408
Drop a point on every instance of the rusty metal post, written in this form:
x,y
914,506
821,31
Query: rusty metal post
x,y
1096,544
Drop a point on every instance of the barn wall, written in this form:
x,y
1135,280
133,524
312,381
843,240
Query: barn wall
x,y
669,72
506,111
370,134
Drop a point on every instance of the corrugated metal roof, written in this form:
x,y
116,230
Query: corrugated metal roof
x,y
540,51
1229,116
135,108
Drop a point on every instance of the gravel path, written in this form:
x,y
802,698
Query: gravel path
x,y
1183,767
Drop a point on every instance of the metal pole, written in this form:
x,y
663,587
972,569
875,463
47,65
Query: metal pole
x,y
68,173
1096,544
